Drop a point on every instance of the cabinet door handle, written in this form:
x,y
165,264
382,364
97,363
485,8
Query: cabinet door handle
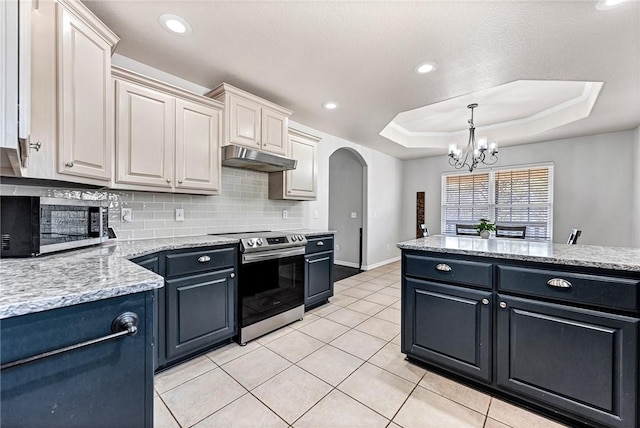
x,y
503,305
485,301
168,180
125,324
443,267
69,164
204,259
559,283
320,244
233,275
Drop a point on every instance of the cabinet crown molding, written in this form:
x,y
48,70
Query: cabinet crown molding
x,y
83,13
140,79
225,88
301,134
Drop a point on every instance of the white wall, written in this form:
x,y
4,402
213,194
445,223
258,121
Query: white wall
x,y
346,197
636,190
593,179
382,184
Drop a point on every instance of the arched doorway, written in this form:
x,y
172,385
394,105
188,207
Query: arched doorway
x,y
347,207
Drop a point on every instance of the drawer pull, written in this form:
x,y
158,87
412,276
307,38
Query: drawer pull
x,y
320,243
443,267
233,275
503,305
204,259
125,324
559,283
485,301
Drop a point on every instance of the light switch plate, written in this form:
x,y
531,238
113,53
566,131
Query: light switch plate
x,y
285,214
179,214
315,214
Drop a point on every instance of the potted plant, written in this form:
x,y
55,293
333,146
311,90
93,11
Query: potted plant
x,y
485,227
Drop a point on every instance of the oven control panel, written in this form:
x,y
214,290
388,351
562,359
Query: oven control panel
x,y
272,242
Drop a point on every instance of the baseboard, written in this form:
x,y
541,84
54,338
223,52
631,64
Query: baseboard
x,y
382,263
347,264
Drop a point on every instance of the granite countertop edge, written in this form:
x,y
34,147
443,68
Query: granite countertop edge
x,y
37,284
611,258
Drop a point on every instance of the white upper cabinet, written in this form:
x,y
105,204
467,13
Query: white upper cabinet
x,y
145,136
197,146
252,121
72,112
167,139
301,183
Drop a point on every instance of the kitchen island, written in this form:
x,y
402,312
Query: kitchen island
x,y
549,326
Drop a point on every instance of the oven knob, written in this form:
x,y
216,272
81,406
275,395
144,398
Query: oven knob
x,y
300,237
259,241
294,238
250,242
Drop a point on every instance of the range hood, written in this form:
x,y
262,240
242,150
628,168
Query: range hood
x,y
247,158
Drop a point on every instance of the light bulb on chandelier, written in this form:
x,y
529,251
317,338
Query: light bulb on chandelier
x,y
476,152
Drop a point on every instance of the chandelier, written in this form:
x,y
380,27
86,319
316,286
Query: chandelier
x,y
475,152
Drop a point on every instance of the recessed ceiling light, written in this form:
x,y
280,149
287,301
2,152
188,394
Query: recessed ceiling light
x,y
608,4
175,24
330,105
425,67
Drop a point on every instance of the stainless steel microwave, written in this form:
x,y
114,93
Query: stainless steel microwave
x,y
32,225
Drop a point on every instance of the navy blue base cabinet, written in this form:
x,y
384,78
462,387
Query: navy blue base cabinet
x,y
318,280
561,339
196,309
108,384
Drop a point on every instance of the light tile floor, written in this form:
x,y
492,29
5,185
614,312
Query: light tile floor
x,y
339,367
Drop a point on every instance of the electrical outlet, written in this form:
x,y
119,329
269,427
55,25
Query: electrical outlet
x,y
285,214
315,214
374,214
337,247
354,214
126,214
179,214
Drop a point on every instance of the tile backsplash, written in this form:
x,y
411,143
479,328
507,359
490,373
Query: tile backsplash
x,y
243,205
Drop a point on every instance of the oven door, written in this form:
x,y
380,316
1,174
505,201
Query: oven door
x,y
269,284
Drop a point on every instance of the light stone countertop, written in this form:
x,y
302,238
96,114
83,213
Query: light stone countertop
x,y
46,282
52,281
614,258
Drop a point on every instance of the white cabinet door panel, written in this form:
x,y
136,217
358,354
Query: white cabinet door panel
x,y
197,146
85,113
274,132
145,136
244,126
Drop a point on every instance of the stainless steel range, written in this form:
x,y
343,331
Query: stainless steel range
x,y
270,282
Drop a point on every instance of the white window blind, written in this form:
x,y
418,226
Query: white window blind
x,y
466,200
510,197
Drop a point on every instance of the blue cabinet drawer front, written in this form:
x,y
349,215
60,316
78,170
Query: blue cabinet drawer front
x,y
199,260
317,244
595,290
449,270
108,384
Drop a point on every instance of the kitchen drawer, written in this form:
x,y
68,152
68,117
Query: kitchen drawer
x,y
199,260
316,244
595,290
450,270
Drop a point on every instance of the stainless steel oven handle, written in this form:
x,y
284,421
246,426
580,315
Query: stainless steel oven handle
x,y
270,255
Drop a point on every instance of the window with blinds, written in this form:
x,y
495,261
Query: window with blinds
x,y
510,197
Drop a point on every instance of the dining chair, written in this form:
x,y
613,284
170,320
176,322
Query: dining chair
x,y
515,232
573,236
467,229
